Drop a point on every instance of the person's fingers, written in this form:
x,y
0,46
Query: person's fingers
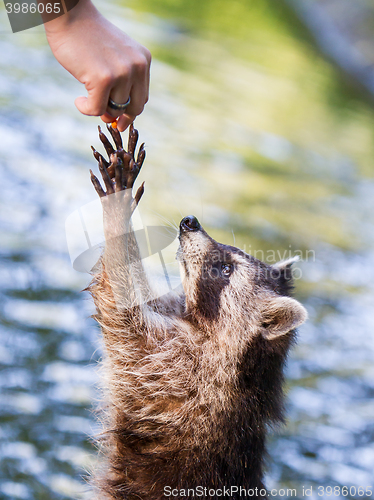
x,y
139,97
134,83
119,93
107,118
148,79
139,92
97,101
124,121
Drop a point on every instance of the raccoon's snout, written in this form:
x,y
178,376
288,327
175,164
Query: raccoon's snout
x,y
189,223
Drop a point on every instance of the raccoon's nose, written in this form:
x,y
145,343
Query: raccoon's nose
x,y
189,223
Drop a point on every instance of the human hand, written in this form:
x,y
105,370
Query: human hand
x,y
107,61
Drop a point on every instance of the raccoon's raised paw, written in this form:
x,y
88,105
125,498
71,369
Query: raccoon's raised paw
x,y
121,171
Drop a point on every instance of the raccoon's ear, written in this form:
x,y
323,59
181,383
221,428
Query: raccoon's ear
x,y
286,264
280,316
282,272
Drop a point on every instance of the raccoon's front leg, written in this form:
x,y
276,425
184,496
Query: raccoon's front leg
x,y
122,267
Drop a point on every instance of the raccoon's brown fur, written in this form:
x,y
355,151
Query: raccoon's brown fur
x,y
192,379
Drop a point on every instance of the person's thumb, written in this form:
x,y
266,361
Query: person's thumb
x,y
95,104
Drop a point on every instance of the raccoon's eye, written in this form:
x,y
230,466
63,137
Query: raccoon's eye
x,y
226,270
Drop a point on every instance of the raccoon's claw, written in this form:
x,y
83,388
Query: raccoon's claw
x,y
107,145
127,158
118,175
133,140
122,170
138,195
106,178
141,156
95,181
97,156
114,132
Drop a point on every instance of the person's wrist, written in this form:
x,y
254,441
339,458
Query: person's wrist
x,y
83,10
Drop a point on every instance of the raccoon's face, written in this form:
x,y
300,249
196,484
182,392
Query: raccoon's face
x,y
223,283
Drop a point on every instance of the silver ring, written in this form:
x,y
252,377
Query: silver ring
x,y
118,107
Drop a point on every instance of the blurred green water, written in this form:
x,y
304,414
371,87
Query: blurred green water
x,y
253,130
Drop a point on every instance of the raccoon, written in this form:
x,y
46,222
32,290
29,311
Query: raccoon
x,y
192,379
